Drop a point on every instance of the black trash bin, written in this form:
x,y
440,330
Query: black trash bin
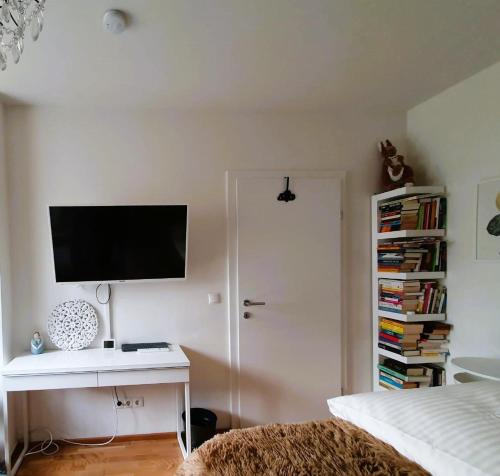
x,y
203,423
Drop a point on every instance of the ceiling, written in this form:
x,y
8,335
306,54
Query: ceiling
x,y
255,54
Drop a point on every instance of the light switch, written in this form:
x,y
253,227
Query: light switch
x,y
213,298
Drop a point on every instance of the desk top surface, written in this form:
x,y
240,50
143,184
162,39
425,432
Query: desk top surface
x,y
481,366
93,360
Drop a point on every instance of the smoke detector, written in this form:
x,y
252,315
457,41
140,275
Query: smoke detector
x,y
114,21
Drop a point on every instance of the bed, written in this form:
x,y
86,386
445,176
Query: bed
x,y
443,431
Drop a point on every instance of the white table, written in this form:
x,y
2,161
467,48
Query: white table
x,y
91,368
477,368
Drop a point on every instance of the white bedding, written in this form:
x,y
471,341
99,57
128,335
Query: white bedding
x,y
452,431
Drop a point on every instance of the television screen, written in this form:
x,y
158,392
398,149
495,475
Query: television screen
x,y
119,243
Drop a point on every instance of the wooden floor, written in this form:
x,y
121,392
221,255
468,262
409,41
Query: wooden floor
x,y
151,457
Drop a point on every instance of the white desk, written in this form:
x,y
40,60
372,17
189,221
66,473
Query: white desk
x,y
91,368
477,368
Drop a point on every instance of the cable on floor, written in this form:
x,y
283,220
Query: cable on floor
x,y
44,446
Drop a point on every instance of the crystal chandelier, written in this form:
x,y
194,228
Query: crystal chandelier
x,y
15,17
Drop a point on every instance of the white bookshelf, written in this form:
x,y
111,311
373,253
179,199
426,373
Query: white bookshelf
x,y
411,317
378,200
411,360
408,192
417,275
394,235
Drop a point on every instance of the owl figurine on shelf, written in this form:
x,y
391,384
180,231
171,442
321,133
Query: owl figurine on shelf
x,y
37,346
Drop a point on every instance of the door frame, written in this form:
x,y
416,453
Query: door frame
x,y
232,177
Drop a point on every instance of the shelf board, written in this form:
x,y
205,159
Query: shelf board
x,y
415,275
411,317
413,360
407,191
381,388
391,235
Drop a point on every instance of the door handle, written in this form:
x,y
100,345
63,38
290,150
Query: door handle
x,y
248,303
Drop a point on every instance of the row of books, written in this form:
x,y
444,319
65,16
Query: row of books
x,y
413,339
423,212
395,375
421,297
416,254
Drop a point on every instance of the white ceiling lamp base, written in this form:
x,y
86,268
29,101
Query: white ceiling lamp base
x,y
114,21
15,17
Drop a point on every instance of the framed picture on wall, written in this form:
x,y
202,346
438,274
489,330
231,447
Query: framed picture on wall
x,y
488,220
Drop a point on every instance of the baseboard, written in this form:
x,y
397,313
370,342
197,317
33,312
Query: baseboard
x,y
118,439
125,438
100,439
139,437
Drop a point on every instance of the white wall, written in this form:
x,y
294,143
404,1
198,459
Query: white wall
x,y
63,156
455,139
5,282
5,295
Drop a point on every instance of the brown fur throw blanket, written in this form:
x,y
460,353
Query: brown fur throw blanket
x,y
330,447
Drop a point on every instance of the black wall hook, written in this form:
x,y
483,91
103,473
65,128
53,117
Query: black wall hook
x,y
287,195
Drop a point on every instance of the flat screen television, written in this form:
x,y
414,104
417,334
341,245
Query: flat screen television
x,y
106,244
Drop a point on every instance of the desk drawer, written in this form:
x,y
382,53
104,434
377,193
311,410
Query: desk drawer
x,y
50,382
142,377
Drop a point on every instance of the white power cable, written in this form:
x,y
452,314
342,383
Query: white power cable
x,y
43,446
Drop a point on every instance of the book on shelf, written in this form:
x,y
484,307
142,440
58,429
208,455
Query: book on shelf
x,y
434,299
393,338
413,339
424,212
399,351
401,328
405,346
420,297
429,345
396,383
433,352
401,374
409,370
438,375
435,330
413,255
395,375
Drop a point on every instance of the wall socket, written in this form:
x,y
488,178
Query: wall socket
x,y
131,402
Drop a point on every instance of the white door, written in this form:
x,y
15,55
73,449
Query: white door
x,y
288,256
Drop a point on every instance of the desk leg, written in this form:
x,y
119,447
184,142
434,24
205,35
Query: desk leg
x,y
187,405
179,421
12,470
6,432
185,447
